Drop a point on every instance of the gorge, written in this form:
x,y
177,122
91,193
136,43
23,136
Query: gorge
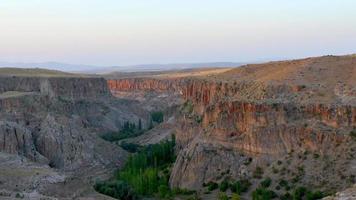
x,y
290,122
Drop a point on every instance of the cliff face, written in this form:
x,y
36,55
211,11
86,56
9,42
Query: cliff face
x,y
144,84
255,115
44,119
55,123
265,124
73,88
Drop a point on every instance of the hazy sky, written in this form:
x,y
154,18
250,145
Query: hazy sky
x,y
117,32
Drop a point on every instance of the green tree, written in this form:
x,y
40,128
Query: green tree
x,y
139,124
157,116
224,185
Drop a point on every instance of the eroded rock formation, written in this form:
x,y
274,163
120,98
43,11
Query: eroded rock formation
x,y
56,122
252,116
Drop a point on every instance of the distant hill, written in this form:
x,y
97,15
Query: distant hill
x,y
92,69
163,67
37,72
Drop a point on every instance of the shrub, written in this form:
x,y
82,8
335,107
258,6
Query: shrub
x,y
314,195
19,196
258,173
157,116
187,107
263,194
222,196
316,156
275,170
283,183
353,134
299,193
235,196
248,161
240,186
286,196
164,191
128,130
266,182
117,189
212,186
198,119
224,185
130,147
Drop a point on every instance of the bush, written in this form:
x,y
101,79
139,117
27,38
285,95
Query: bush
x,y
241,186
164,191
19,196
266,182
353,134
263,194
128,130
258,173
157,116
248,161
187,107
224,185
116,189
198,119
286,196
316,156
222,196
314,195
130,147
283,183
299,193
212,186
235,196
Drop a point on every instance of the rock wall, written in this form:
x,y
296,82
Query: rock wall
x,y
57,121
225,123
74,88
145,84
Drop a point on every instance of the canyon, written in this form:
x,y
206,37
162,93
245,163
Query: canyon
x,y
49,130
293,120
296,115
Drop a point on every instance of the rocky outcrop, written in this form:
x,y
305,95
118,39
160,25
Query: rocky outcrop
x,y
348,194
256,115
57,122
265,126
70,87
225,124
146,84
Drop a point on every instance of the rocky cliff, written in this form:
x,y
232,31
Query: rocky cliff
x,y
254,115
57,122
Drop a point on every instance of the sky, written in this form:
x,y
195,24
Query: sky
x,y
118,32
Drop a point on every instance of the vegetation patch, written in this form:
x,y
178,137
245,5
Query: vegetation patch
x,y
353,134
146,173
128,130
240,186
157,117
